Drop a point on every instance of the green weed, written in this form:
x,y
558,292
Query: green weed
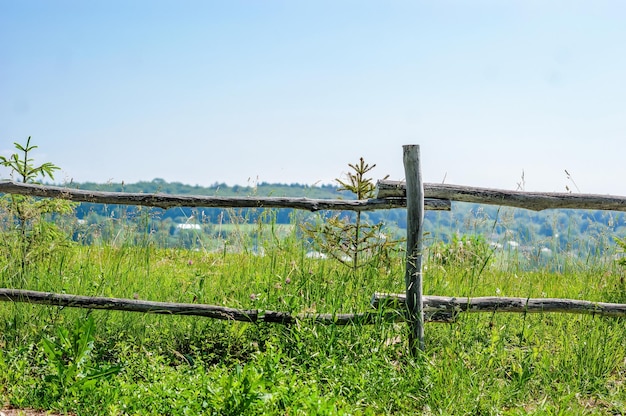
x,y
69,357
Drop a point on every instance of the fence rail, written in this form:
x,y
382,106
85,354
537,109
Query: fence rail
x,y
454,305
193,309
536,201
166,201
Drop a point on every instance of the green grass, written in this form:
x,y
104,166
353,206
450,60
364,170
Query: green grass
x,y
173,365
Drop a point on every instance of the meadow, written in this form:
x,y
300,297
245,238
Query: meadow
x,y
120,363
97,362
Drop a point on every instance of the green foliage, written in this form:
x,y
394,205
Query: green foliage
x,y
27,233
237,391
356,182
497,363
621,260
70,359
22,165
349,238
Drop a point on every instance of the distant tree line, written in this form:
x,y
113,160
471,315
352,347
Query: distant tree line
x,y
555,229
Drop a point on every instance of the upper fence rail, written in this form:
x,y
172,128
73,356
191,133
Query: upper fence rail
x,y
391,194
166,201
536,201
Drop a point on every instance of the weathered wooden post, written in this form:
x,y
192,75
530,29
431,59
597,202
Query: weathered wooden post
x,y
414,231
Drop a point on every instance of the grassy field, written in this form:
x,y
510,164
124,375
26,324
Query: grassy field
x,y
118,363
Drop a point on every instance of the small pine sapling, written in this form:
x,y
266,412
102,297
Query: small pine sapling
x,y
350,238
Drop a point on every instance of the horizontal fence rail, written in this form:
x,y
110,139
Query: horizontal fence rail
x,y
536,201
453,305
436,308
193,309
166,201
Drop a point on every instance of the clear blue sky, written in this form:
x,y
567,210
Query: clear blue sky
x,y
292,91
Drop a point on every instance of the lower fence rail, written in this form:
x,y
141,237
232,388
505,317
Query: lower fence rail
x,y
193,309
454,305
388,307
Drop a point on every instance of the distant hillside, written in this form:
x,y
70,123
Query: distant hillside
x,y
220,189
210,215
558,229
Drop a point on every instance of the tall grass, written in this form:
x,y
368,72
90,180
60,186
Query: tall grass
x,y
481,364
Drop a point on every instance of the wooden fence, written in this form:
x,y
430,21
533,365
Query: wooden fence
x,y
165,201
412,306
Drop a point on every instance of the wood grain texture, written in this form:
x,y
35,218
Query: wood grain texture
x,y
503,304
166,201
193,309
414,246
536,201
